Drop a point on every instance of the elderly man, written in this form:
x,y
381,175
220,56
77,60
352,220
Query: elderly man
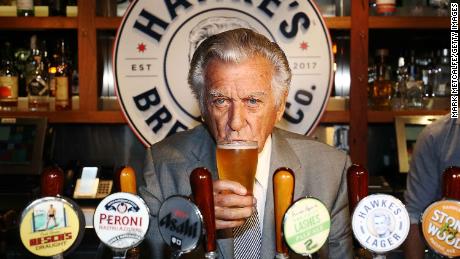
x,y
241,80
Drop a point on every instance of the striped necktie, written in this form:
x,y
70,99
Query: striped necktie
x,y
247,238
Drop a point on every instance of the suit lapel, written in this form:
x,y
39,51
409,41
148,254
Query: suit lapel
x,y
282,155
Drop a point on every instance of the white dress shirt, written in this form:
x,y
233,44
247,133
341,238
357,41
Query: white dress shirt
x,y
262,175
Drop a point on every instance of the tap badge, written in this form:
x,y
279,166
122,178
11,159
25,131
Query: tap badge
x,y
121,220
50,226
180,223
380,223
157,39
441,227
306,226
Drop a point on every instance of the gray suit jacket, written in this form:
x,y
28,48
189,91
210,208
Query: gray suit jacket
x,y
320,171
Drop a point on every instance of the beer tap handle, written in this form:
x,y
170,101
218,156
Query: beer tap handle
x,y
52,181
357,181
201,182
128,180
283,189
451,183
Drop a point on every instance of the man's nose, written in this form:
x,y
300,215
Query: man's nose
x,y
237,118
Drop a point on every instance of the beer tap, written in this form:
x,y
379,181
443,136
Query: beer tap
x,y
59,219
440,219
123,237
52,184
357,181
283,189
202,190
52,181
451,183
372,219
127,180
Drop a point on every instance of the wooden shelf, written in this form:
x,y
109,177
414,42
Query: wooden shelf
x,y
336,117
342,22
331,22
97,117
108,22
389,116
394,22
19,23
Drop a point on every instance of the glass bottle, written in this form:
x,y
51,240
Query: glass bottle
x,y
37,83
62,77
442,86
25,7
8,80
382,87
398,100
414,85
385,7
57,7
428,77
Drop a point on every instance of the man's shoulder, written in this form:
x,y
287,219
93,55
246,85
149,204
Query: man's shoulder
x,y
445,128
177,146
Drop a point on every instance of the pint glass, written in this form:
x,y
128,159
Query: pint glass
x,y
237,161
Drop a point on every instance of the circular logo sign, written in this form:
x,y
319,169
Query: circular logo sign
x,y
50,226
180,224
157,39
441,227
380,223
306,226
121,220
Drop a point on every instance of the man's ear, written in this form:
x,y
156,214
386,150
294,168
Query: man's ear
x,y
281,106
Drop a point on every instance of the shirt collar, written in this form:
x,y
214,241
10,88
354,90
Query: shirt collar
x,y
263,161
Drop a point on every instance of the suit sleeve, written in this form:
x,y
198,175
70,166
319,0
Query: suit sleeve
x,y
153,245
340,239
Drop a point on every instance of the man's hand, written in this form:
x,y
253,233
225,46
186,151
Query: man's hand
x,y
232,205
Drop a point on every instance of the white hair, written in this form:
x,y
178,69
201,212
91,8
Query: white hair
x,y
237,46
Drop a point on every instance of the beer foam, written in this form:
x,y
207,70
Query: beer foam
x,y
238,145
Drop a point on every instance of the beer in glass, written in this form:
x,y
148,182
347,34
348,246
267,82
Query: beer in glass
x,y
237,161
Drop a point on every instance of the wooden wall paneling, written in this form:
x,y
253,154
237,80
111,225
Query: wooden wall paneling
x,y
87,55
358,94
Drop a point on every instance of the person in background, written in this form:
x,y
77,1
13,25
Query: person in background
x,y
437,147
241,81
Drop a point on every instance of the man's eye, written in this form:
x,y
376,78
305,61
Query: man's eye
x,y
253,102
219,101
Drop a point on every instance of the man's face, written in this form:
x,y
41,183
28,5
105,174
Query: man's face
x,y
240,101
380,225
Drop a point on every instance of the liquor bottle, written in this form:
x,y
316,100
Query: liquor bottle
x,y
428,75
382,87
57,7
25,7
21,56
399,94
414,85
8,81
37,83
442,80
62,77
385,7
